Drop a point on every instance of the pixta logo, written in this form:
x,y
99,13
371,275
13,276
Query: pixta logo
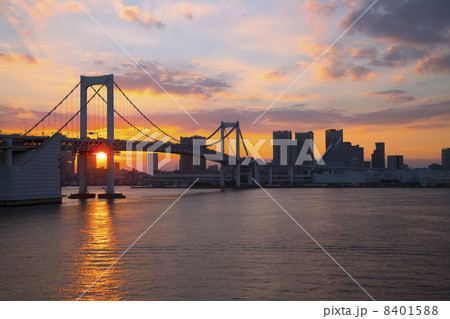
x,y
287,150
146,143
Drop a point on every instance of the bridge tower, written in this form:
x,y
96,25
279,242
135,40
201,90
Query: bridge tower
x,y
85,83
237,171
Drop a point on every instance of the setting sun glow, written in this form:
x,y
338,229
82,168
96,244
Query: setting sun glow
x,y
101,156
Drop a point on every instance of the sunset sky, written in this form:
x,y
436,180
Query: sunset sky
x,y
387,79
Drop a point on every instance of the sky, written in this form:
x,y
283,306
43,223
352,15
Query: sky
x,y
386,79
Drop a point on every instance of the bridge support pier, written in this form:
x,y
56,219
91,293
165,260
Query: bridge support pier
x,y
238,157
82,178
82,166
222,175
110,193
8,153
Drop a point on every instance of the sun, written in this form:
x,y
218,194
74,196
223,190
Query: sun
x,y
101,156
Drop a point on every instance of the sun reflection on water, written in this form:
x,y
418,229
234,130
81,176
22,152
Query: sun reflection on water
x,y
97,252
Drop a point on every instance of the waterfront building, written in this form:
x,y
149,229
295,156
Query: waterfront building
x,y
283,135
378,156
395,161
446,158
187,162
353,155
300,139
332,137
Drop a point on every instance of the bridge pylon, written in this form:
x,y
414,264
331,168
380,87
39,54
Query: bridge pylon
x,y
85,83
237,170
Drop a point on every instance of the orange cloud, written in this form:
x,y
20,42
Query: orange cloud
x,y
46,8
134,14
274,75
320,8
438,64
130,13
398,79
11,57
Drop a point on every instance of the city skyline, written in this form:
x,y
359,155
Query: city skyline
x,y
379,83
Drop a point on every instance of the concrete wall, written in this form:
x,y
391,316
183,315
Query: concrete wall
x,y
35,175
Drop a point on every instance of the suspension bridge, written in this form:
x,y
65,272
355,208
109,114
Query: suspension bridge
x,y
118,125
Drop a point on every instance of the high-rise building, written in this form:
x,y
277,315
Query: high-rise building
x,y
283,135
332,137
353,155
446,158
378,158
395,161
152,163
301,138
187,161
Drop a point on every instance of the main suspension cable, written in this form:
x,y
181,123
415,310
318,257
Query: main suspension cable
x,y
137,109
48,114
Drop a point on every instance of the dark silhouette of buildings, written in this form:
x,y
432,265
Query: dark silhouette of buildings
x,y
283,135
301,138
353,155
395,161
332,137
187,162
446,158
92,161
342,154
378,157
67,167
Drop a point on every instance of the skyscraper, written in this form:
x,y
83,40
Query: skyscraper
x,y
301,138
332,137
283,135
353,155
378,158
152,163
446,158
187,161
395,161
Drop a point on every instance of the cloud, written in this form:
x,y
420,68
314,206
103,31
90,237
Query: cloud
x,y
335,65
190,11
134,14
173,81
398,79
150,20
9,111
359,73
410,22
320,8
365,53
15,115
130,13
332,71
438,64
316,118
336,70
397,96
10,57
399,55
274,75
